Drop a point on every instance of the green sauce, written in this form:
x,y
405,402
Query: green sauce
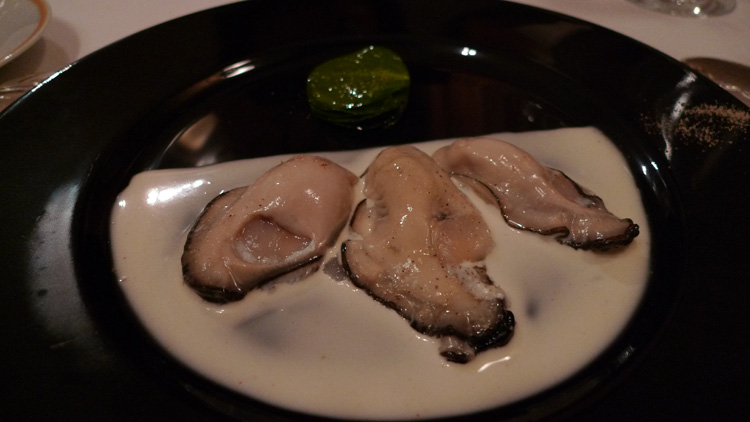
x,y
363,90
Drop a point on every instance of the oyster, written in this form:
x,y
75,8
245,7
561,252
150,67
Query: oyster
x,y
418,245
278,226
533,197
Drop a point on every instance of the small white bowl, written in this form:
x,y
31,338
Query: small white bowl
x,y
22,22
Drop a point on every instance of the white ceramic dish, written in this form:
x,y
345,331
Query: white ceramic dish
x,y
22,23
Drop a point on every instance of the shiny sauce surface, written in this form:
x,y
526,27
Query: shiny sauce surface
x,y
322,346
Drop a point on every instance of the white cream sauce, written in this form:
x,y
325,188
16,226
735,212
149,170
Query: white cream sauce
x,y
324,347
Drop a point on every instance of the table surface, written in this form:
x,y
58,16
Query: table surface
x,y
80,27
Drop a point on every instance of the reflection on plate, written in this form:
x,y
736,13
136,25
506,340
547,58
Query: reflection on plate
x,y
22,22
228,83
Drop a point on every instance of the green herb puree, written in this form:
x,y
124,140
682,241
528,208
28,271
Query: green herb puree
x,y
363,90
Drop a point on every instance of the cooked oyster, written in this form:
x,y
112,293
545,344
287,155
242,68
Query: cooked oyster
x,y
417,247
533,197
276,227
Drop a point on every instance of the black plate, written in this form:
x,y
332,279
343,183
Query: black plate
x,y
70,347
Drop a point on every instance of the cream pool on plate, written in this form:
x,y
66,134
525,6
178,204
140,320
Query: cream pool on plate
x,y
322,346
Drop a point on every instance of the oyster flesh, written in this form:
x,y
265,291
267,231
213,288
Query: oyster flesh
x,y
417,246
275,227
533,197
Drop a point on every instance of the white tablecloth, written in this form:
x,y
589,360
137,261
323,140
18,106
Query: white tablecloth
x,y
79,27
